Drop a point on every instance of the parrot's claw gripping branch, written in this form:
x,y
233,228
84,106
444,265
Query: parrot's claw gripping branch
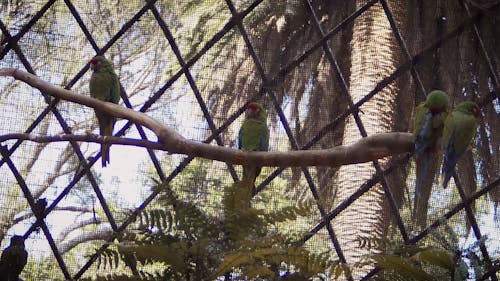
x,y
367,149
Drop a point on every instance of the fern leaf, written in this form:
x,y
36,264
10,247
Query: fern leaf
x,y
291,212
172,254
402,267
437,257
231,261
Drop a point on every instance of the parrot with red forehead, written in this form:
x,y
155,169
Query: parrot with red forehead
x,y
105,86
427,129
459,131
253,136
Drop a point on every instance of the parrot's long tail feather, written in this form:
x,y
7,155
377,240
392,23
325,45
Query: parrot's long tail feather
x,y
105,154
108,131
427,165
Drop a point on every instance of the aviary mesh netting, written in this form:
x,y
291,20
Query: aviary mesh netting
x,y
328,73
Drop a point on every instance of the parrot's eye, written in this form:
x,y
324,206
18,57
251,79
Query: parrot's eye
x,y
476,111
93,61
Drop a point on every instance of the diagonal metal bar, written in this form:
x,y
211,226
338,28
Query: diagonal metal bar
x,y
67,130
460,206
210,43
345,91
375,179
325,38
402,45
192,83
489,61
13,40
473,222
30,129
31,202
84,28
456,209
111,41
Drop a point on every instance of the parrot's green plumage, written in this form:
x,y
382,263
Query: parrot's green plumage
x,y
13,259
459,130
427,129
253,136
105,86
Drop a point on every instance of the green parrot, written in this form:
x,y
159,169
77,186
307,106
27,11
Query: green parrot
x,y
13,259
427,129
105,86
253,136
459,131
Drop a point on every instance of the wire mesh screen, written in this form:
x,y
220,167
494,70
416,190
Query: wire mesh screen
x,y
328,72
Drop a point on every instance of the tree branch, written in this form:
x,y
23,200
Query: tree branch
x,y
367,149
57,208
102,233
79,225
84,138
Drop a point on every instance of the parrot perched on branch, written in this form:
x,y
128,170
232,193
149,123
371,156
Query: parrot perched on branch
x,y
13,259
253,136
105,86
427,129
459,130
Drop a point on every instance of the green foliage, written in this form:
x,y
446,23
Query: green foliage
x,y
179,241
123,277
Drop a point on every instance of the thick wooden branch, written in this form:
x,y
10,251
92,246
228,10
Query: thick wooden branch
x,y
367,149
102,233
84,138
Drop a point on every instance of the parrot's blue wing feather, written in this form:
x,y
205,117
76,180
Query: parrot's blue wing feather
x,y
421,142
421,145
240,136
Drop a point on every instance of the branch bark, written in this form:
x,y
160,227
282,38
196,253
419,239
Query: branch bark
x,y
367,149
103,233
30,214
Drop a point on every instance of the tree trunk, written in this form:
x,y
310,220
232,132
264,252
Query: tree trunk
x,y
372,59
